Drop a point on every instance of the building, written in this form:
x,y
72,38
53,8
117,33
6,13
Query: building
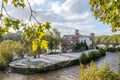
x,y
70,40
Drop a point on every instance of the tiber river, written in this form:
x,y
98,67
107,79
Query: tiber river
x,y
68,73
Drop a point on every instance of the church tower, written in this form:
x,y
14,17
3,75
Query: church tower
x,y
76,32
92,36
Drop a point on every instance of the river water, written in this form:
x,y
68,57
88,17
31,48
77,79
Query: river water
x,y
68,73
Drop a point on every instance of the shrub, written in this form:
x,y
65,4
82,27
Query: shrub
x,y
92,55
111,49
102,52
92,72
80,46
5,58
118,49
83,58
96,54
41,67
7,49
3,63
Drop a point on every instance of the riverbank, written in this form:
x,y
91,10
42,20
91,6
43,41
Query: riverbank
x,y
67,73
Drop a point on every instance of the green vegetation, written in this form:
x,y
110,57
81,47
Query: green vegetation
x,y
80,46
84,58
92,55
33,37
17,36
92,72
117,49
9,22
113,49
109,49
108,39
96,54
41,67
107,11
102,52
7,49
54,39
33,33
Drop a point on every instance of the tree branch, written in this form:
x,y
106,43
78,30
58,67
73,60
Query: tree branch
x,y
31,13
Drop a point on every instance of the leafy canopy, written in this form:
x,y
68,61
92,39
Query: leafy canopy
x,y
92,72
107,11
34,35
9,22
33,32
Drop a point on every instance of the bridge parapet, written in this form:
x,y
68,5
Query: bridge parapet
x,y
107,44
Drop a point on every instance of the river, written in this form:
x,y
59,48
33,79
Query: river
x,y
68,73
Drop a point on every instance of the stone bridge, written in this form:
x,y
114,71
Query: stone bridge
x,y
107,44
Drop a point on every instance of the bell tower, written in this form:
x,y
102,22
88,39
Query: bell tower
x,y
76,32
92,36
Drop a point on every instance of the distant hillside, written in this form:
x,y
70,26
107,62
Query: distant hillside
x,y
108,39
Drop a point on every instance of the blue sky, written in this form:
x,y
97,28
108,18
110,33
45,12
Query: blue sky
x,y
65,15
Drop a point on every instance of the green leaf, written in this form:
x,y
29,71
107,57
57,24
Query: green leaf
x,y
1,15
6,29
6,1
22,5
5,20
47,24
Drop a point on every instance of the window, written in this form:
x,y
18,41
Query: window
x,y
84,41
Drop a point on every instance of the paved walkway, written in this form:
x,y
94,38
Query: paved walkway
x,y
47,59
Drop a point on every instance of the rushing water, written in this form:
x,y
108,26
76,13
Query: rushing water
x,y
68,73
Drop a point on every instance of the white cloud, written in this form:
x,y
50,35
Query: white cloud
x,y
72,11
75,15
62,16
69,28
65,16
56,7
18,12
70,7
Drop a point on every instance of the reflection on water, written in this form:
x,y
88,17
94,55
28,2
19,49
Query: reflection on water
x,y
68,73
111,58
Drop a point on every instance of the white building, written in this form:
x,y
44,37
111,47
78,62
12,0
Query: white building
x,y
70,40
85,39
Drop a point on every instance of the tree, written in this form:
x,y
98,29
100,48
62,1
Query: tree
x,y
80,46
54,39
13,36
51,44
33,32
34,37
107,11
9,22
108,39
57,38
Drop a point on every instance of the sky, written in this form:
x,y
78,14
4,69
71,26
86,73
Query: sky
x,y
64,15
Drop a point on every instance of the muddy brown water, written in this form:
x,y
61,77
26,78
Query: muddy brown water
x,y
68,73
